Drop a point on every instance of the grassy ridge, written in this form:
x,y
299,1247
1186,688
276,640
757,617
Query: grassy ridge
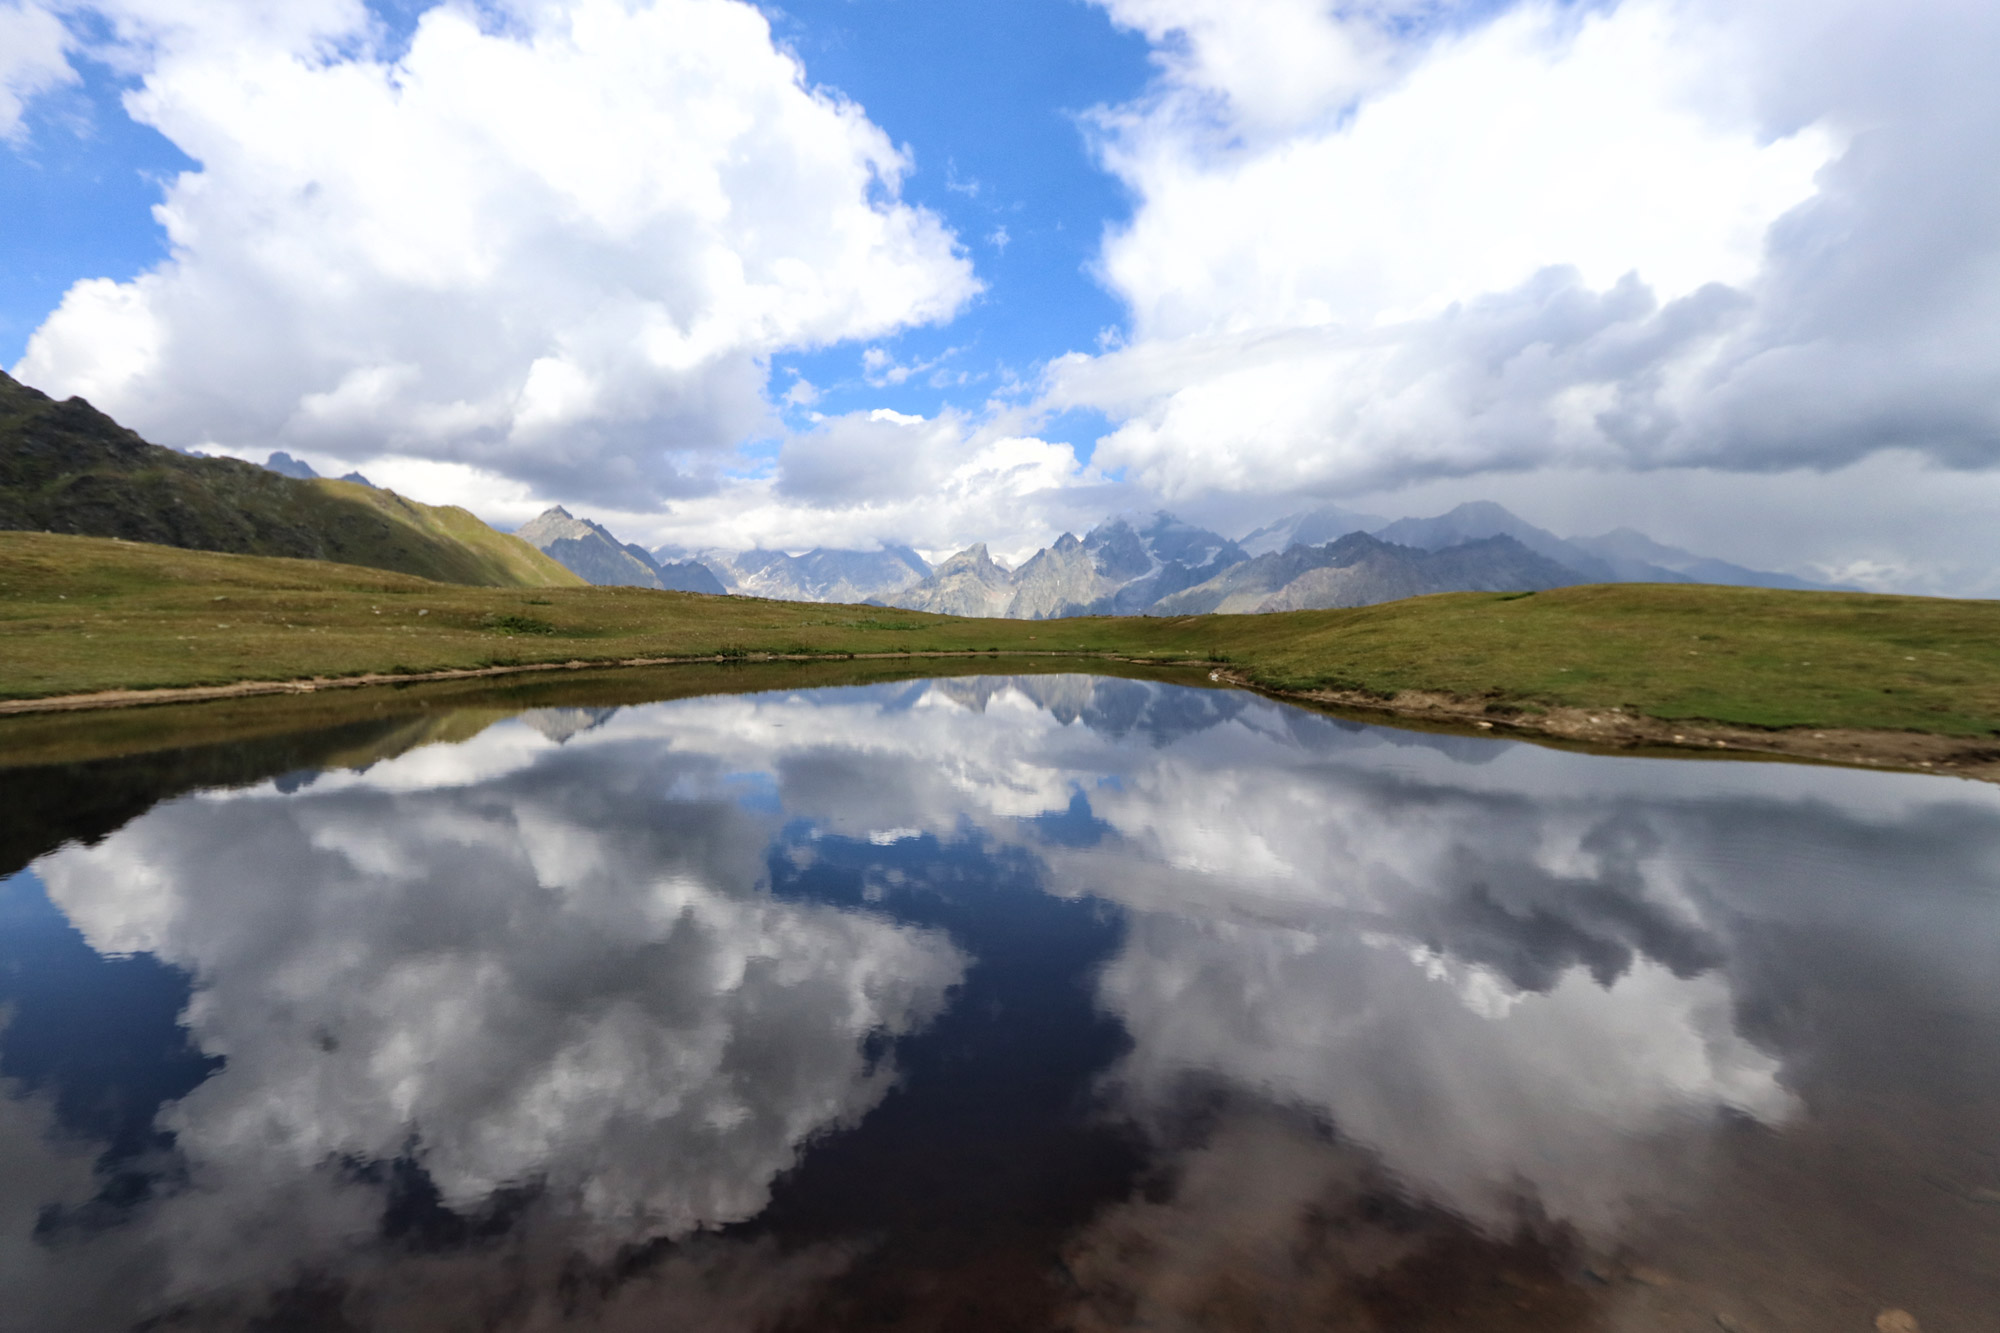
x,y
80,614
65,467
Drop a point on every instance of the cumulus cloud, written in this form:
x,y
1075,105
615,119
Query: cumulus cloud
x,y
556,244
935,483
34,57
1385,242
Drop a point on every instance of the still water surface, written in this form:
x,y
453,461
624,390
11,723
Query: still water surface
x,y
1052,1002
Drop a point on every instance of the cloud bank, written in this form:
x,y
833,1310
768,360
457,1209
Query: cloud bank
x,y
1648,235
556,242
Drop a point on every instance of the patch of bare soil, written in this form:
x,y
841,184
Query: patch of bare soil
x,y
1617,729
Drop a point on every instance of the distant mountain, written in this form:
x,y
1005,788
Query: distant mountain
x,y
820,575
1360,570
589,550
1177,555
1631,554
1481,519
67,467
1160,565
1623,556
971,583
1311,527
285,465
1117,569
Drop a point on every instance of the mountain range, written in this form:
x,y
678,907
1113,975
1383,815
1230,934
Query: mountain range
x,y
67,467
1160,565
589,550
1360,570
820,575
285,465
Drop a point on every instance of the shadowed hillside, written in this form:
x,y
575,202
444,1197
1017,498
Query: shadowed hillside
x,y
66,467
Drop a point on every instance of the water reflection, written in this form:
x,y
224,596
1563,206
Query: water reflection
x,y
1054,1001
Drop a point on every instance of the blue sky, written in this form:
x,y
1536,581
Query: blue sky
x,y
987,99
80,192
847,271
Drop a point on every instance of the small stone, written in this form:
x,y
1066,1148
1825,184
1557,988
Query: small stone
x,y
1896,1321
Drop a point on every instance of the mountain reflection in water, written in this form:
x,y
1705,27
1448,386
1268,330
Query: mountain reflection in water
x,y
1053,1002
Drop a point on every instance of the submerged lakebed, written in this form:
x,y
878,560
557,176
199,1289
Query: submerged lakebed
x,y
1032,1002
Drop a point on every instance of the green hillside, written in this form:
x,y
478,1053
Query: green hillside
x,y
79,615
68,468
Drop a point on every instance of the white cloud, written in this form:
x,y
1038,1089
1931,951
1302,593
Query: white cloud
x,y
863,477
1381,243
34,57
559,248
1509,149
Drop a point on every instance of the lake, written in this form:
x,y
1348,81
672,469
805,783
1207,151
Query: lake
x,y
1036,1002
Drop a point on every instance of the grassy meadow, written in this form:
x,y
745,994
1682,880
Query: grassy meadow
x,y
81,614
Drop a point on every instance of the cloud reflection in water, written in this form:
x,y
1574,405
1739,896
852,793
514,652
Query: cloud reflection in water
x,y
546,966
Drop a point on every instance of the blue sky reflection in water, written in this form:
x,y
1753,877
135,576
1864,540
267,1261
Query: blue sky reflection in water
x,y
1015,1003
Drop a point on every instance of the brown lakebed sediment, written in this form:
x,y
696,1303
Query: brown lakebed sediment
x,y
1621,729
1614,729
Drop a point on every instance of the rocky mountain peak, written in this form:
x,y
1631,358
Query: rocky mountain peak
x,y
556,524
973,557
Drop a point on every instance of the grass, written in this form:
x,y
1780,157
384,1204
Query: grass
x,y
81,614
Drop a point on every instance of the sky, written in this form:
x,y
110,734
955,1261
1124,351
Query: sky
x,y
843,272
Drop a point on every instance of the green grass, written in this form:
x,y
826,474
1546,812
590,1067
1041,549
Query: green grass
x,y
80,614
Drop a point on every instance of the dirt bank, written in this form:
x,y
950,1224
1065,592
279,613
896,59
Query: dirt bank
x,y
1615,729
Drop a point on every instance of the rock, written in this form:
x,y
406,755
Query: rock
x,y
1896,1321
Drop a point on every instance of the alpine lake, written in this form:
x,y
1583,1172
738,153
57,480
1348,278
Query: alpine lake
x,y
979,1002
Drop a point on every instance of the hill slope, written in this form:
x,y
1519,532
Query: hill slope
x,y
66,467
1621,664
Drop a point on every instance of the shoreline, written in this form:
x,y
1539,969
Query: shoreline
x,y
245,689
1602,729
1614,729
